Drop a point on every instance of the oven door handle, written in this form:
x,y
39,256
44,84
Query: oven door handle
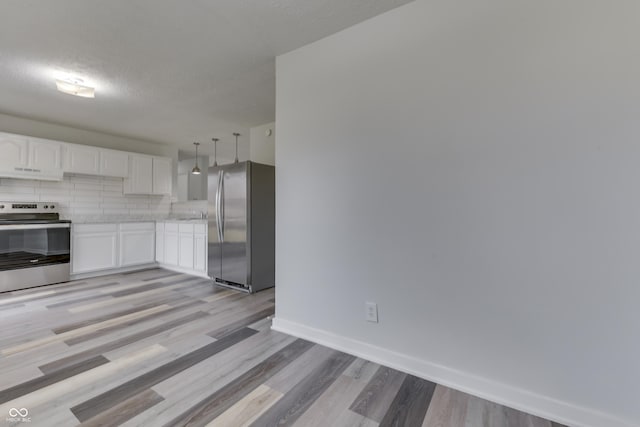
x,y
32,226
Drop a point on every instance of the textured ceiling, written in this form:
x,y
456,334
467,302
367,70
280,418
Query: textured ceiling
x,y
166,71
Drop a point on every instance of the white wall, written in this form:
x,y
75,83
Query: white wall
x,y
262,145
474,168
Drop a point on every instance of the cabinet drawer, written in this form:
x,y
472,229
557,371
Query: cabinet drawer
x,y
186,228
137,226
171,227
200,228
95,228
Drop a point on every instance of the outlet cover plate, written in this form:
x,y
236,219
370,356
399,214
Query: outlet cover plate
x,y
371,312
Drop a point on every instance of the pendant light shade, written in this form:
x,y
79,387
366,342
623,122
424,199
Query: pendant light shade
x,y
196,169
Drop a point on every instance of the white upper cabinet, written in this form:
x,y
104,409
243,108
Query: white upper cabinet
x,y
140,180
149,175
114,163
81,159
162,175
14,149
97,161
45,155
35,158
30,158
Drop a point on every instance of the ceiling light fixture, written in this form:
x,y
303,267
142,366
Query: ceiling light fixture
x,y
196,169
75,87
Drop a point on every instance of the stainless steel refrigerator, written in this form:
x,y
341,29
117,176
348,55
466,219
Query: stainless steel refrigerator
x,y
242,225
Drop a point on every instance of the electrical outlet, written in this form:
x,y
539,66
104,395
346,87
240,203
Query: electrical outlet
x,y
371,313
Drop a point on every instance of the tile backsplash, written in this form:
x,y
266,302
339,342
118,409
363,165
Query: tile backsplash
x,y
191,209
80,196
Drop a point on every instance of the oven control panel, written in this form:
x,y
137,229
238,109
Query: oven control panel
x,y
27,207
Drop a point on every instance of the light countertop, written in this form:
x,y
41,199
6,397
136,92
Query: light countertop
x,y
118,219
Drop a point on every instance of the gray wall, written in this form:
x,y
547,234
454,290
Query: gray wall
x,y
474,168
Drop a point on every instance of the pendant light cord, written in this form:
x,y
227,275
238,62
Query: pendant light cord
x,y
236,135
215,151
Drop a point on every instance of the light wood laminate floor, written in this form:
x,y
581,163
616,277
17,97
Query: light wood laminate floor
x,y
156,348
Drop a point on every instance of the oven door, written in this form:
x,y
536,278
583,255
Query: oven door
x,y
34,245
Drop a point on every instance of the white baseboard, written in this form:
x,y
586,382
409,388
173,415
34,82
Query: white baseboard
x,y
183,270
80,276
520,399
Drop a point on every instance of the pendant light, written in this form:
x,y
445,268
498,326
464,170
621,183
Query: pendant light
x,y
215,151
236,134
196,169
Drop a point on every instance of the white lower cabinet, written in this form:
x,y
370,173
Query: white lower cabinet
x,y
95,247
185,253
160,242
175,245
171,248
99,247
185,246
137,243
200,253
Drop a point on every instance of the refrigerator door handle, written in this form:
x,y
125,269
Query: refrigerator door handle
x,y
218,207
222,210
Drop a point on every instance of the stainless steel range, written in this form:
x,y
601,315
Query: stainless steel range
x,y
35,245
